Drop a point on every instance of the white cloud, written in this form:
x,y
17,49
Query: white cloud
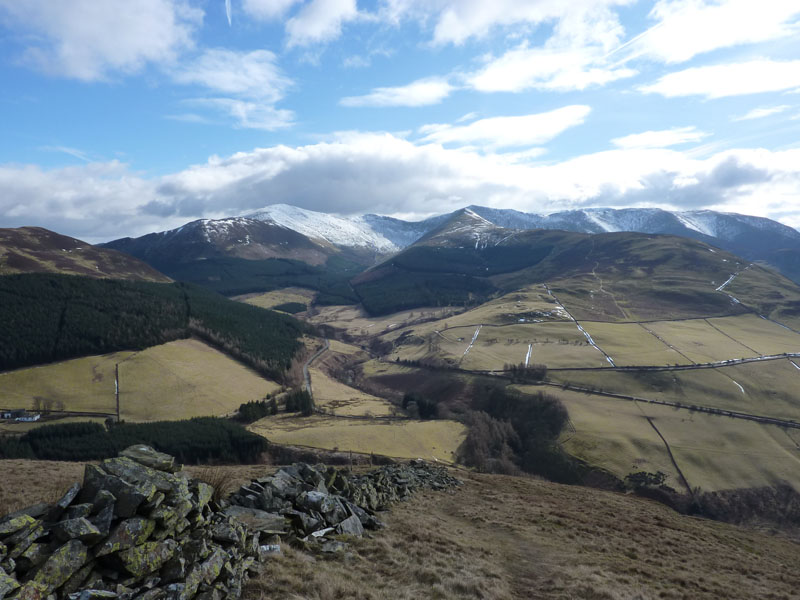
x,y
686,28
732,79
500,132
574,57
89,40
267,10
320,21
246,114
422,92
760,113
369,172
253,79
542,68
456,21
228,11
251,74
660,139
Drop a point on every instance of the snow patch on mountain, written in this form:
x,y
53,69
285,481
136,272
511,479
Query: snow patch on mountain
x,y
340,231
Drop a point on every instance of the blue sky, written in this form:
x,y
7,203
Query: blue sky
x,y
123,117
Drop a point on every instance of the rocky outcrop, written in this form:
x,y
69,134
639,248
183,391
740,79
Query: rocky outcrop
x,y
135,529
319,502
139,529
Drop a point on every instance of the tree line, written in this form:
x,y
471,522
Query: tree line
x,y
46,317
199,440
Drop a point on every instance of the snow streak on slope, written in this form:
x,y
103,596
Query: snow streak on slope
x,y
355,233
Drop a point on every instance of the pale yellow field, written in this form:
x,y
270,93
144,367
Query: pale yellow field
x,y
713,452
613,435
431,440
699,341
524,306
630,344
276,297
718,453
770,387
759,334
178,380
555,344
342,348
356,322
343,400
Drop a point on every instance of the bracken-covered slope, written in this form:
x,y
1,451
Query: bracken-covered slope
x,y
38,250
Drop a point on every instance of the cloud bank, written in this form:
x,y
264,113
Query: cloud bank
x,y
383,173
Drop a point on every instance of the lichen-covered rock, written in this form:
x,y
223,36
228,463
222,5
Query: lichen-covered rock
x,y
148,557
62,565
76,511
14,524
258,520
76,529
22,539
32,590
129,533
35,555
7,585
147,456
93,595
59,507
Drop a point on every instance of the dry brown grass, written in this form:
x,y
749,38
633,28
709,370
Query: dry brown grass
x,y
26,482
504,537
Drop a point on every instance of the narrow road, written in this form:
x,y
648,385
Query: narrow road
x,y
306,375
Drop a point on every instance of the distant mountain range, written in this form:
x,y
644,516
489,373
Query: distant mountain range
x,y
289,232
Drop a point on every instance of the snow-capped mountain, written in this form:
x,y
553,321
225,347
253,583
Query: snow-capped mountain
x,y
237,237
284,231
348,232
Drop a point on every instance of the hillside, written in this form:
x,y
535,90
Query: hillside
x,y
503,537
467,260
38,250
247,255
44,318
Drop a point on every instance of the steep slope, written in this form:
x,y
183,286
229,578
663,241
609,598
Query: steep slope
x,y
347,233
38,250
467,260
235,237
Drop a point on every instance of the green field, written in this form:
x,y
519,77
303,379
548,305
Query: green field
x,y
713,452
630,344
770,387
178,380
334,396
431,440
700,341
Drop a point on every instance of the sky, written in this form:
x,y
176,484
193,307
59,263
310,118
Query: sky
x,y
123,117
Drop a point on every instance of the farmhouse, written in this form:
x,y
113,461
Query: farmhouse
x,y
13,414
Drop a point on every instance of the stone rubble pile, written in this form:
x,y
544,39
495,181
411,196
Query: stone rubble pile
x,y
135,529
315,503
138,529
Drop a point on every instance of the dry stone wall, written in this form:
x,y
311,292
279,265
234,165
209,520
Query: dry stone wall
x,y
138,529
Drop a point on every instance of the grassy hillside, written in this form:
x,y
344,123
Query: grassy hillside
x,y
614,276
38,250
177,380
501,538
44,318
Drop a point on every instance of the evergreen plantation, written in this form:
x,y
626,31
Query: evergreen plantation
x,y
46,318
